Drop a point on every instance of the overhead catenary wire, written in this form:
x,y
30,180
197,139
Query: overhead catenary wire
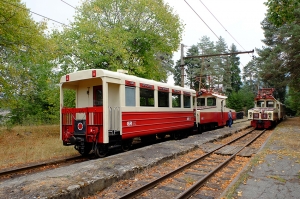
x,y
4,1
69,4
221,25
202,19
209,26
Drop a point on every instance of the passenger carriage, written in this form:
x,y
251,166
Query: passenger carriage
x,y
112,108
211,110
267,111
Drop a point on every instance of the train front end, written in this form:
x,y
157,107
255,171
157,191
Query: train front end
x,y
82,112
264,115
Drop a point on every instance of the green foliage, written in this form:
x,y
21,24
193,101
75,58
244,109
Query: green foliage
x,y
138,36
251,76
26,80
242,100
193,67
221,72
281,12
279,59
293,103
234,62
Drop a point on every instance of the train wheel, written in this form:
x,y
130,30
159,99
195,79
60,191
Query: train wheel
x,y
199,129
185,134
161,136
87,149
126,145
176,135
101,151
148,139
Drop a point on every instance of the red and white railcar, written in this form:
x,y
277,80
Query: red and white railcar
x,y
267,111
211,110
112,108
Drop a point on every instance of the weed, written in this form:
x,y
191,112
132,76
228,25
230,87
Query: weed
x,y
189,180
280,179
28,144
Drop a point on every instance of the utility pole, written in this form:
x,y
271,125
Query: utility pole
x,y
182,65
200,79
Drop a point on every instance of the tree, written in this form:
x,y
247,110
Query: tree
x,y
292,102
281,12
251,75
242,100
216,71
279,59
192,67
234,62
113,34
221,66
207,47
25,67
196,67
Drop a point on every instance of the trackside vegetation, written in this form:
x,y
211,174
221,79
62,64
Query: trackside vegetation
x,y
138,36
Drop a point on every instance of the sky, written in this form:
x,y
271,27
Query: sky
x,y
240,18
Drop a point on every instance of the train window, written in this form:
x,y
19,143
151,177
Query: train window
x,y
176,100
146,97
270,104
260,104
129,96
187,101
98,96
163,99
211,101
201,102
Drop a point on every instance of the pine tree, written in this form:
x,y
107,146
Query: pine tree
x,y
234,62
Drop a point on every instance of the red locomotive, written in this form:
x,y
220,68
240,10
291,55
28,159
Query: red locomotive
x,y
267,111
211,110
112,108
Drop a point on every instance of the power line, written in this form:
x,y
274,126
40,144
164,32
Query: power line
x,y
69,4
202,19
222,25
208,25
34,12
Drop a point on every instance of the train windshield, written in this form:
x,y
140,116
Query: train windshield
x,y
270,103
201,102
211,101
260,104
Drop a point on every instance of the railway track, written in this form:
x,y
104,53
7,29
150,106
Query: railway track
x,y
32,168
197,172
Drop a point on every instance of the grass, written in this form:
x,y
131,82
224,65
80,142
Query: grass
x,y
280,179
30,144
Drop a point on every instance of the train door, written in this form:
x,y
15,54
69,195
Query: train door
x,y
97,96
114,101
222,111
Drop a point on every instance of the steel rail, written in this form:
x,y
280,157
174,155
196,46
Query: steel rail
x,y
5,172
187,193
153,183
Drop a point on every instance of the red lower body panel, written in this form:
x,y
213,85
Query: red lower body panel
x,y
261,124
136,124
213,117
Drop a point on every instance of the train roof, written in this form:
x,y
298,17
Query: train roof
x,y
210,92
94,73
266,94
